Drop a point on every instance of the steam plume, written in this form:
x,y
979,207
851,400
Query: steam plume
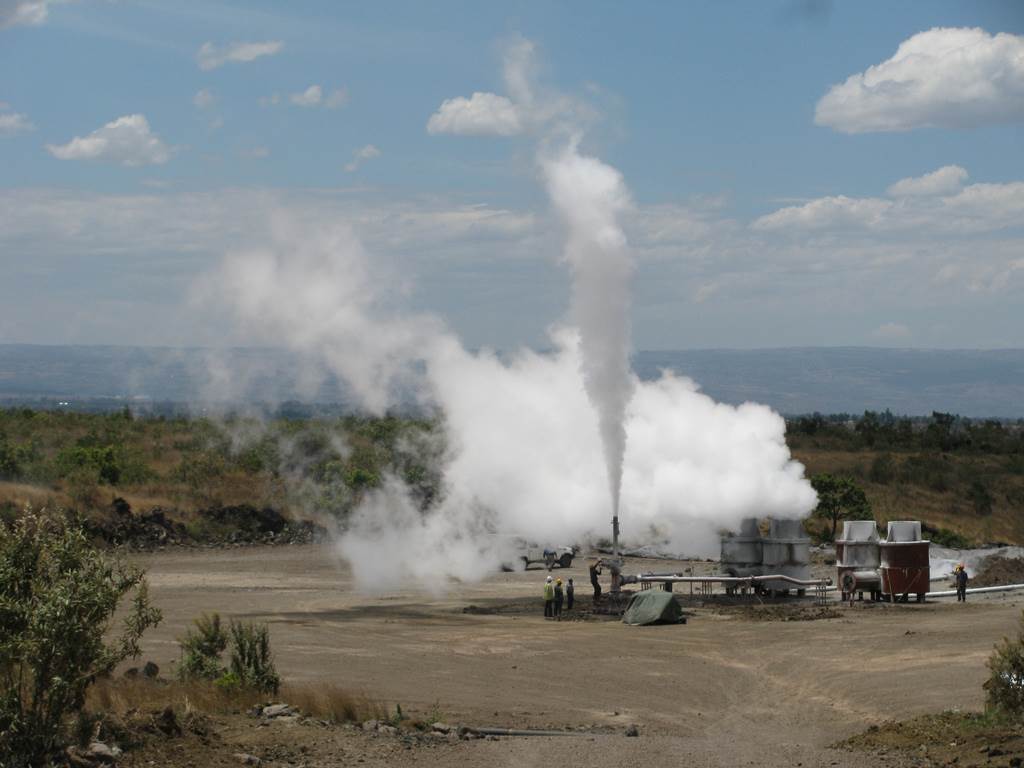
x,y
535,443
589,195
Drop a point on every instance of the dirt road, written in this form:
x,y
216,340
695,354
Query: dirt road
x,y
721,690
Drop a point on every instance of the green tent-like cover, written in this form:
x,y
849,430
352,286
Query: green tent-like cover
x,y
653,606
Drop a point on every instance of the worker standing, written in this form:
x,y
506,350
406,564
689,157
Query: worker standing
x,y
595,571
570,595
961,583
559,598
549,599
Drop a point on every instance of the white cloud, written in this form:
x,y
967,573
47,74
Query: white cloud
x,y
211,56
944,181
948,77
27,12
524,109
892,332
310,97
360,156
256,153
481,261
482,114
12,123
125,141
920,206
203,98
336,98
827,212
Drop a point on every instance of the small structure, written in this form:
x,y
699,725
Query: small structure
x,y
904,562
786,551
858,559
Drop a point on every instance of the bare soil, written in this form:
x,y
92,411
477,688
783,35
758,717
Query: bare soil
x,y
727,688
996,571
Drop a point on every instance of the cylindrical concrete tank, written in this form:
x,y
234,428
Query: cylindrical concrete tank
x,y
741,555
904,561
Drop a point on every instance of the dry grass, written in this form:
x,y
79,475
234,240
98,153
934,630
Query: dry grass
x,y
948,509
22,494
332,703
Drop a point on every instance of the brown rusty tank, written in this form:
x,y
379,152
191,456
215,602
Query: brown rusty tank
x,y
905,569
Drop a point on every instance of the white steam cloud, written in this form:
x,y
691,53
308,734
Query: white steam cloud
x,y
524,453
535,444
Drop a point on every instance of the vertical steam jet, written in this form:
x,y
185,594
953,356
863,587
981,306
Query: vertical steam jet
x,y
589,197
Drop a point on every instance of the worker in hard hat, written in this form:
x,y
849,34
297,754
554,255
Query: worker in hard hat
x,y
549,599
559,598
960,576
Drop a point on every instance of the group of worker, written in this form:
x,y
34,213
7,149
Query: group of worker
x,y
555,596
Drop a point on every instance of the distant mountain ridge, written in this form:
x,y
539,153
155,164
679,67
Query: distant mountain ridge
x,y
976,383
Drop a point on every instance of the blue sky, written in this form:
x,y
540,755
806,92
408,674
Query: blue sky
x,y
763,214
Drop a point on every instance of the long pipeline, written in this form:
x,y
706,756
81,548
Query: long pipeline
x,y
737,580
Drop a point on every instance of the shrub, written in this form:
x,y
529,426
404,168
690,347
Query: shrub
x,y
883,469
1005,685
58,595
201,649
980,498
251,660
839,498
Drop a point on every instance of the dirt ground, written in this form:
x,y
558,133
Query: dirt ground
x,y
724,689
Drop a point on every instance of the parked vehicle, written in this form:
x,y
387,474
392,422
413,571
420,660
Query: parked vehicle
x,y
520,554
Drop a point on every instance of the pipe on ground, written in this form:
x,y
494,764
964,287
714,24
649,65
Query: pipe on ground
x,y
977,590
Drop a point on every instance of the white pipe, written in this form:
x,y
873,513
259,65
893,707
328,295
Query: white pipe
x,y
732,579
977,590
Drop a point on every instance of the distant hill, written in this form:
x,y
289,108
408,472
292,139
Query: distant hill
x,y
975,383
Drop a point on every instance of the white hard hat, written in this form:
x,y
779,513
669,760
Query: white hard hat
x,y
549,578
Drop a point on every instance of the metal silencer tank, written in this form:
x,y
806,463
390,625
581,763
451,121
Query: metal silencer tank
x,y
904,561
741,555
858,558
786,551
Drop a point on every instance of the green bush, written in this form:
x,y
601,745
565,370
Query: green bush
x,y
112,464
251,660
58,595
1005,686
251,663
201,649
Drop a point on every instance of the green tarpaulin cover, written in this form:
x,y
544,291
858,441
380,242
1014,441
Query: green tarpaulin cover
x,y
653,606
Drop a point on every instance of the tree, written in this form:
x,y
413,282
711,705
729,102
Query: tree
x,y
58,596
839,498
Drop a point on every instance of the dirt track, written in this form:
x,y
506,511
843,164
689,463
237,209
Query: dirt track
x,y
721,690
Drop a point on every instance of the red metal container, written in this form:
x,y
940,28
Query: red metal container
x,y
905,569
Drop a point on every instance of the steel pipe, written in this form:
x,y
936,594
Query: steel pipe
x,y
977,590
731,579
524,732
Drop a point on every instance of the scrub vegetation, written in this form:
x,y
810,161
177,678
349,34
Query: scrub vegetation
x,y
964,479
